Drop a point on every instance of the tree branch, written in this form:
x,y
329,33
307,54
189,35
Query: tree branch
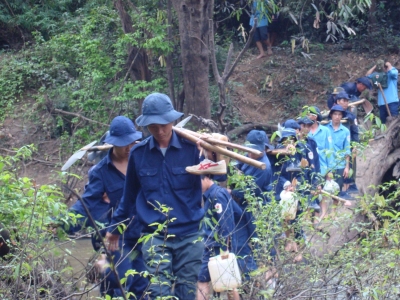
x,y
212,52
249,39
78,116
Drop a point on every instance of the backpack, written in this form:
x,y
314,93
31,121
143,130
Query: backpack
x,y
381,78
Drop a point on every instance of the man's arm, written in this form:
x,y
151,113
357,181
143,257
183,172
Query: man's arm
x,y
94,198
127,205
370,71
348,154
393,73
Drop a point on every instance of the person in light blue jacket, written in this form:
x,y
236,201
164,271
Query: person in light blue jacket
x,y
341,146
390,93
259,10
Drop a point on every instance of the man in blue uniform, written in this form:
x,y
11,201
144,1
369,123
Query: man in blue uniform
x,y
305,153
219,226
261,179
341,143
353,89
166,200
390,92
259,11
323,138
352,126
102,195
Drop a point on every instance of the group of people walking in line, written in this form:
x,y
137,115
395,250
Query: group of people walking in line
x,y
165,189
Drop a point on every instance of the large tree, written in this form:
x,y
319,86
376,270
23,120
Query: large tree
x,y
194,18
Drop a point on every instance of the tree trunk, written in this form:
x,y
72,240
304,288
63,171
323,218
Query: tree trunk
x,y
379,159
170,71
137,62
194,31
372,18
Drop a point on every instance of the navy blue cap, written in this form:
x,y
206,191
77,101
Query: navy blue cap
x,y
305,121
365,81
157,109
291,124
122,132
342,95
257,140
287,132
315,111
337,108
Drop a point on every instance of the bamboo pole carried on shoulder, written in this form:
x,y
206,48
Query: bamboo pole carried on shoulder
x,y
223,143
247,160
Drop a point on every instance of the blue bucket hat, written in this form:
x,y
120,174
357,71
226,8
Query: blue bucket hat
x,y
288,132
122,132
342,95
157,109
365,81
291,124
305,121
337,108
257,140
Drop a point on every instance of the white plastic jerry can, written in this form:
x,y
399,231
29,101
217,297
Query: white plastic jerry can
x,y
224,273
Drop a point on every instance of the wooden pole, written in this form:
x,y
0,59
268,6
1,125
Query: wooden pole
x,y
223,143
357,102
255,163
384,98
97,148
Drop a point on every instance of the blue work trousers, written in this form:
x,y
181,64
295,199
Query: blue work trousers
x,y
393,108
129,257
174,260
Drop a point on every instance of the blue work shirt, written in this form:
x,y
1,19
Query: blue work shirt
x,y
322,136
350,88
218,207
259,11
352,126
303,175
391,90
341,145
153,179
105,178
262,178
313,155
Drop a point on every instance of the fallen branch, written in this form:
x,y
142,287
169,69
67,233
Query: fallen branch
x,y
247,127
78,116
228,70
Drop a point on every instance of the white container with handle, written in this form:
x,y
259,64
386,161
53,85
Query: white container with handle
x,y
224,273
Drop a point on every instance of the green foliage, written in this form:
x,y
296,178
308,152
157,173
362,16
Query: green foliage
x,y
23,200
28,213
82,68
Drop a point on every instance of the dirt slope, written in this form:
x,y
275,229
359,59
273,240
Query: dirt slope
x,y
275,88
